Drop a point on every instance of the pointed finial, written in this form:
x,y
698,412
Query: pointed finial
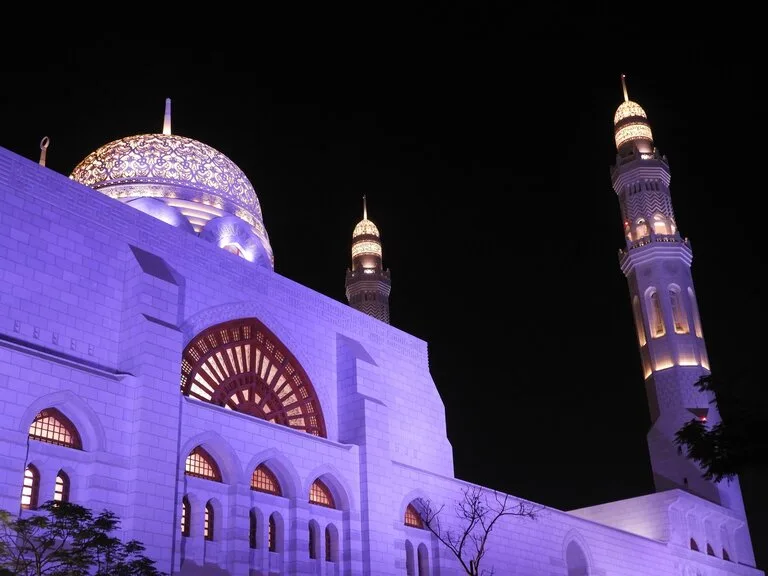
x,y
624,86
167,119
365,209
43,149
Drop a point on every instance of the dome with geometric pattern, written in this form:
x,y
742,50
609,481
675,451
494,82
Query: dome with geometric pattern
x,y
199,181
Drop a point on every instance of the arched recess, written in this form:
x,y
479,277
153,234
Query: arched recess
x,y
576,554
329,476
281,467
220,451
263,310
243,366
415,498
82,416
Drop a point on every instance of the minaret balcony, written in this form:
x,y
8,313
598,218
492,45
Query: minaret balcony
x,y
674,238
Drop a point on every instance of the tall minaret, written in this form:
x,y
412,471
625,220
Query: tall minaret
x,y
657,264
367,283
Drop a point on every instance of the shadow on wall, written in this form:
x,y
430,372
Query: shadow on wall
x,y
193,569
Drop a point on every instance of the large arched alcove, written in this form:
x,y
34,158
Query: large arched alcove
x,y
242,366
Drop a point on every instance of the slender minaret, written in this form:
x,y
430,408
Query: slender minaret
x,y
368,284
657,264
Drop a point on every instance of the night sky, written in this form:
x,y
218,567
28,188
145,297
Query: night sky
x,y
482,138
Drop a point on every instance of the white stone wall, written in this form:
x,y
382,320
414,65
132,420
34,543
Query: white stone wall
x,y
97,303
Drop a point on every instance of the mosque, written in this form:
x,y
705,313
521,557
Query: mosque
x,y
153,363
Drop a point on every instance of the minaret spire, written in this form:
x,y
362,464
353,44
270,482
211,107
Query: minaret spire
x,y
167,118
624,87
367,283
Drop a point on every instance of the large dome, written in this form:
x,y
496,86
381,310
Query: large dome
x,y
203,173
191,178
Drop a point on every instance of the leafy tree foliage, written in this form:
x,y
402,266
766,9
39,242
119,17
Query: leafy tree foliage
x,y
65,539
738,442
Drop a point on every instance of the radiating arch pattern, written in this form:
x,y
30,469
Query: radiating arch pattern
x,y
242,366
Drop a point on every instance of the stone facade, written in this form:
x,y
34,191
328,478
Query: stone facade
x,y
98,302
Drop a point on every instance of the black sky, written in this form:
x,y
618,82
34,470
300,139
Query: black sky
x,y
482,137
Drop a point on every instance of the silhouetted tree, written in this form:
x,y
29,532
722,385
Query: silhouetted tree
x,y
739,441
65,539
477,515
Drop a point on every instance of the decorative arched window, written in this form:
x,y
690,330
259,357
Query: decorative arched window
x,y
314,543
694,546
695,310
53,427
412,517
185,516
244,367
657,318
320,494
710,550
30,488
208,521
263,480
659,224
252,534
200,464
638,320
272,536
678,312
61,489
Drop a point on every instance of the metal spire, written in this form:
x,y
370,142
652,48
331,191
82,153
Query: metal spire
x,y
167,119
624,86
43,148
365,209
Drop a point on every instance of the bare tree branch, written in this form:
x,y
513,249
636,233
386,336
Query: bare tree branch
x,y
478,516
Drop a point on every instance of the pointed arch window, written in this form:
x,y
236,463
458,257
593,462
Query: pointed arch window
x,y
30,488
242,366
710,550
263,480
208,521
726,556
200,464
252,534
272,534
313,542
657,318
410,562
330,544
320,494
61,489
694,545
678,311
412,517
53,427
185,516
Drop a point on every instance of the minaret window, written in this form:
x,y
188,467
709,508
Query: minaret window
x,y
659,224
657,318
641,229
678,312
61,489
638,320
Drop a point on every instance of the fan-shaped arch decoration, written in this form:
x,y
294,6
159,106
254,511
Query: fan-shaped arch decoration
x,y
242,366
